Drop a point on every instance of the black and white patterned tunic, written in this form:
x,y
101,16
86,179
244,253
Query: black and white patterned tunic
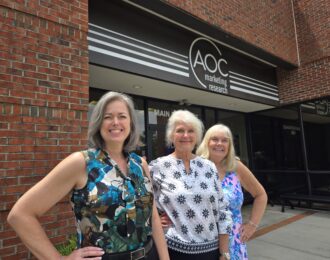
x,y
194,202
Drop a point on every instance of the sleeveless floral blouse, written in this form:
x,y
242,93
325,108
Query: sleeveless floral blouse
x,y
113,211
233,192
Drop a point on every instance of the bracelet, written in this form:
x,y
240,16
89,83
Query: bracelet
x,y
253,224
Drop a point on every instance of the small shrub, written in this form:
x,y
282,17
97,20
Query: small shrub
x,y
68,247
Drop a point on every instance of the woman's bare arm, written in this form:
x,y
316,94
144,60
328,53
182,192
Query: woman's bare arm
x,y
23,217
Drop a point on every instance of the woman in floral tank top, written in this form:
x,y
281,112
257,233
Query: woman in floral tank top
x,y
112,198
217,146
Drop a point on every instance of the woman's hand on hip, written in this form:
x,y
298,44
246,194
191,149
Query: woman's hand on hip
x,y
90,252
247,231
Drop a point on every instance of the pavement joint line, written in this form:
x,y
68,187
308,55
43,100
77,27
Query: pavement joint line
x,y
280,224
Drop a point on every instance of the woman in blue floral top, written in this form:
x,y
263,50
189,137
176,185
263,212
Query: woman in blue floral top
x,y
112,195
217,146
188,192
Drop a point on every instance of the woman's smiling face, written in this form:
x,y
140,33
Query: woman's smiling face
x,y
116,122
218,146
184,137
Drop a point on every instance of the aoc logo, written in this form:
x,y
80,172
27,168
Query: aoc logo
x,y
208,66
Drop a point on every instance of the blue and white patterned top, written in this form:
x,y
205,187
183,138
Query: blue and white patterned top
x,y
113,211
194,202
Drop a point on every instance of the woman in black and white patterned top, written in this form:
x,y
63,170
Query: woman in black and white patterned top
x,y
189,195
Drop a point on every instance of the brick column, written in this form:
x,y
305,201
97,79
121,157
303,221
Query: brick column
x,y
43,104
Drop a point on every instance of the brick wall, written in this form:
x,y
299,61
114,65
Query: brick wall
x,y
270,26
44,82
43,104
265,24
312,79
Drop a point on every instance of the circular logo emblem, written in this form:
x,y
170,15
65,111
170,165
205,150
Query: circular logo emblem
x,y
208,66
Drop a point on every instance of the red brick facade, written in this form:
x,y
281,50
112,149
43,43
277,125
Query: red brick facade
x,y
43,103
44,82
270,25
312,78
265,24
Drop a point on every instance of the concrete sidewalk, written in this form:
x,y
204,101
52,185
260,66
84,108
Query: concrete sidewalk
x,y
296,234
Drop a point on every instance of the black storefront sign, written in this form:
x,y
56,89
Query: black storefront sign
x,y
126,38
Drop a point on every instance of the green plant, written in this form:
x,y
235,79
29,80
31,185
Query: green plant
x,y
68,247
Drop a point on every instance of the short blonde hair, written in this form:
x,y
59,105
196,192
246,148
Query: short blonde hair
x,y
186,117
94,136
230,161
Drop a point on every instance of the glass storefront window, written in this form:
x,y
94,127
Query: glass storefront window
x,y
263,155
139,110
316,118
276,139
210,119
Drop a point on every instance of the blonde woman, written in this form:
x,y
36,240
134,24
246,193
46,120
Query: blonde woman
x,y
218,147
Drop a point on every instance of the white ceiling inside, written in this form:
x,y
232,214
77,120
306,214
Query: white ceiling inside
x,y
105,78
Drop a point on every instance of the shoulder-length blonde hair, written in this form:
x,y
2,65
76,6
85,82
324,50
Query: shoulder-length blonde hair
x,y
94,136
230,161
186,117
